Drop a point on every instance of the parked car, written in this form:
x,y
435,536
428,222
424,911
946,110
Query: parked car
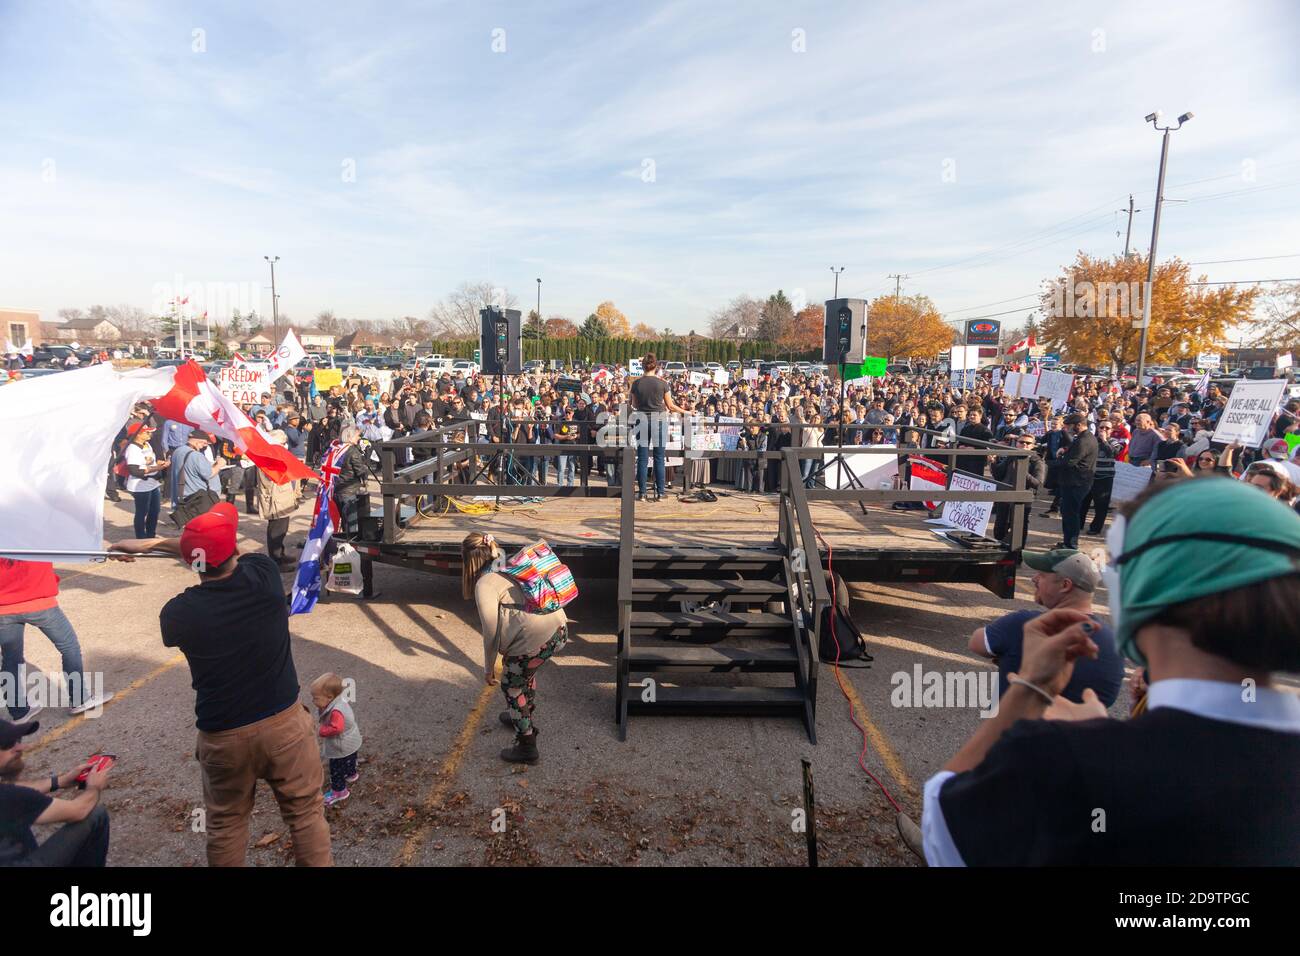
x,y
52,356
899,368
671,368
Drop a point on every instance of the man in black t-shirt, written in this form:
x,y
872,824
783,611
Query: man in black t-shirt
x,y
233,628
82,841
651,400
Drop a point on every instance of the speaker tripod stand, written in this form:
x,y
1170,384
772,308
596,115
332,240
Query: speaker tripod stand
x,y
838,459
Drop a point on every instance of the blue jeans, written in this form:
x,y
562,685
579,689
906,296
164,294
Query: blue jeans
x,y
806,466
564,470
147,506
650,429
55,625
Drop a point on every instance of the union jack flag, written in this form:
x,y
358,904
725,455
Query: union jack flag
x,y
324,520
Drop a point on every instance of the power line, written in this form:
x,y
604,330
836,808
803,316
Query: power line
x,y
1217,262
971,308
1244,281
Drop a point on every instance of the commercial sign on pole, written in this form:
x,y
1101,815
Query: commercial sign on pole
x,y
983,331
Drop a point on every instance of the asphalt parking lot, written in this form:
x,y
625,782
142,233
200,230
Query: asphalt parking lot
x,y
679,791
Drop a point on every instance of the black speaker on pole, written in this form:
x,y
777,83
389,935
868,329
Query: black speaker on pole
x,y
502,341
846,331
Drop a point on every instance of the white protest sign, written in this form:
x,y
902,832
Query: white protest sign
x,y
697,378
1056,386
963,379
634,367
872,470
996,380
720,376
1249,412
1130,481
1284,360
244,385
1036,427
750,375
972,516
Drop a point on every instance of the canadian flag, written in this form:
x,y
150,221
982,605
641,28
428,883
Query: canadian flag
x,y
196,401
1028,343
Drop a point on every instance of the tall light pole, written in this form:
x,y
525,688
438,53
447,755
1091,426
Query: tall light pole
x,y
837,281
1154,120
275,305
539,302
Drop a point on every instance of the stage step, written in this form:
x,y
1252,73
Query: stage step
x,y
726,620
681,588
717,700
718,658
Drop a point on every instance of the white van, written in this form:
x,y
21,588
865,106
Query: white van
x,y
434,364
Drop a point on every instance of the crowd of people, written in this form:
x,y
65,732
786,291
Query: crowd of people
x,y
1220,613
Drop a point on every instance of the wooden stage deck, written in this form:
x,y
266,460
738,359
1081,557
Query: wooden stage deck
x,y
737,520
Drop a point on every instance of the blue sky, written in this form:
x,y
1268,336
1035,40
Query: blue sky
x,y
974,147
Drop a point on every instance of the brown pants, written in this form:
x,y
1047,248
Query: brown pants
x,y
281,750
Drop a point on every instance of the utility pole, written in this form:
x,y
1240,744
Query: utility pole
x,y
837,281
1129,233
898,282
1154,119
275,305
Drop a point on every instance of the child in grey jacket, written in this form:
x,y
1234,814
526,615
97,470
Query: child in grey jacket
x,y
340,738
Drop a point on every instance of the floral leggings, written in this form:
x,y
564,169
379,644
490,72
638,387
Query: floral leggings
x,y
519,681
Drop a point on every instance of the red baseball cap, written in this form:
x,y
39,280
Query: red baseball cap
x,y
136,427
211,536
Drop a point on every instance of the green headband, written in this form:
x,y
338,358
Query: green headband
x,y
1200,537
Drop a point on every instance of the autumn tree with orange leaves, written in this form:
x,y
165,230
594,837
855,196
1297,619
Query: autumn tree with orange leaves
x,y
804,333
1094,311
906,327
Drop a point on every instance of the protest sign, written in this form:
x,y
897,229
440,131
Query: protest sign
x,y
1130,481
244,385
750,375
1249,412
1045,384
926,474
634,367
1284,361
872,470
1036,427
996,380
963,379
720,376
697,378
327,378
972,516
729,432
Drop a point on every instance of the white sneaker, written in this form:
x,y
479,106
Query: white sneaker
x,y
93,703
32,713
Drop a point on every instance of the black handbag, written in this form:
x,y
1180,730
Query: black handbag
x,y
191,506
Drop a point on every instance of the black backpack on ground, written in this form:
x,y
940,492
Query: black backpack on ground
x,y
852,648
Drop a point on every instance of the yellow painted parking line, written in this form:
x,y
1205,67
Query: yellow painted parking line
x,y
118,697
880,743
447,774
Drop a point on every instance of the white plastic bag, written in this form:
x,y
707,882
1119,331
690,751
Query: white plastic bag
x,y
345,571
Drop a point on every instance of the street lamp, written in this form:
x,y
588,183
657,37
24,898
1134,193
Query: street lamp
x,y
837,281
1154,120
275,305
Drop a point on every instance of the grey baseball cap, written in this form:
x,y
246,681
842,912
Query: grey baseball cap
x,y
1068,563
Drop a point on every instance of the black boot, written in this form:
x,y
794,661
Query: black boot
x,y
524,750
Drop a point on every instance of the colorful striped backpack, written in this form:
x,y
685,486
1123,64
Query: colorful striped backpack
x,y
547,584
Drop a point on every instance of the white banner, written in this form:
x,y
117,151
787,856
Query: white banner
x,y
697,378
245,384
1249,412
634,367
873,470
58,431
750,375
1130,481
972,516
720,376
1284,360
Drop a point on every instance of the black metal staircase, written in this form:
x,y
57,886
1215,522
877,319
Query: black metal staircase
x,y
698,623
